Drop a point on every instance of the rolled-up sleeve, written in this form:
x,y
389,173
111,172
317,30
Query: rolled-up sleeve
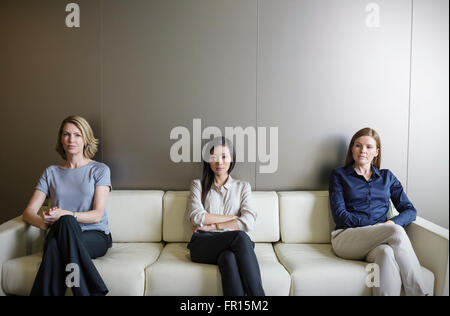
x,y
247,212
195,210
401,202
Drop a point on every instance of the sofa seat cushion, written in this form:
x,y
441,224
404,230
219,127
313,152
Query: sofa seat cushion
x,y
122,269
315,270
175,274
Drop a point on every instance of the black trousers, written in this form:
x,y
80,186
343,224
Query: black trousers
x,y
233,252
66,244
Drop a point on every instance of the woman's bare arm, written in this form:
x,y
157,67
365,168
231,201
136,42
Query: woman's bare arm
x,y
30,214
95,215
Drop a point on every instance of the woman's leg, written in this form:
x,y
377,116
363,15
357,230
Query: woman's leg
x,y
231,278
207,247
390,280
96,242
64,246
356,243
50,279
243,248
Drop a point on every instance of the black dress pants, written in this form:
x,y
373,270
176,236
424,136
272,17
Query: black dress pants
x,y
66,244
233,252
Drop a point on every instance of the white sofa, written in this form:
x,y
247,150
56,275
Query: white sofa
x,y
149,254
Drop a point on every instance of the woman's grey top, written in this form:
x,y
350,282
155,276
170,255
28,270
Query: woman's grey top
x,y
233,198
73,189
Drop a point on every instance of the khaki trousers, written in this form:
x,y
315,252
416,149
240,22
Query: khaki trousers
x,y
389,247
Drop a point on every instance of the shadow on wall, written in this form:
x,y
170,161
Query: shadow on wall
x,y
331,155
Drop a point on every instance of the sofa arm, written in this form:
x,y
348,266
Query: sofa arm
x,y
18,239
13,238
430,242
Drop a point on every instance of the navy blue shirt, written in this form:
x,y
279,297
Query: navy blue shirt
x,y
356,202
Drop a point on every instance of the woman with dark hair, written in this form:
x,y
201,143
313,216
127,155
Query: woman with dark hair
x,y
360,194
77,223
220,209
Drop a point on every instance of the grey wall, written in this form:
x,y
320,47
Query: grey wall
x,y
314,69
323,75
429,129
164,64
47,72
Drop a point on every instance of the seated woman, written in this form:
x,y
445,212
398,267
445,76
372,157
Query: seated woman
x,y
359,200
220,210
78,189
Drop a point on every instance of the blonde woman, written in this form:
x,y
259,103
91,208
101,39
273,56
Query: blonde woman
x,y
77,220
359,199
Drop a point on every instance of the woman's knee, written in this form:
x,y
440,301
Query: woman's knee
x,y
226,258
66,220
383,251
397,233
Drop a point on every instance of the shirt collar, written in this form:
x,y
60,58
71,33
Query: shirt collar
x,y
227,183
376,171
350,170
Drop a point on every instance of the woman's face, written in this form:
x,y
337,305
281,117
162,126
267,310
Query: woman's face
x,y
220,160
72,139
364,150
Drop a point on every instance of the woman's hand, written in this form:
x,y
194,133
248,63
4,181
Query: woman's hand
x,y
205,228
30,214
387,222
53,214
48,217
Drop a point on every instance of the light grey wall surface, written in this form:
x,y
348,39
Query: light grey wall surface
x,y
323,75
316,70
166,63
429,130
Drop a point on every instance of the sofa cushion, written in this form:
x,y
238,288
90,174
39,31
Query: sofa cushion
x,y
175,274
305,217
135,215
176,228
315,270
122,269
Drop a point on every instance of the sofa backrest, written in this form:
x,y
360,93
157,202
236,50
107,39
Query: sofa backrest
x,y
153,216
135,215
176,228
305,217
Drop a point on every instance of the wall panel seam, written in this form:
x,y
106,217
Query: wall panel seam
x,y
409,97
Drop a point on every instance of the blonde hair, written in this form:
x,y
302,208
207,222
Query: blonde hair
x,y
90,142
364,132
